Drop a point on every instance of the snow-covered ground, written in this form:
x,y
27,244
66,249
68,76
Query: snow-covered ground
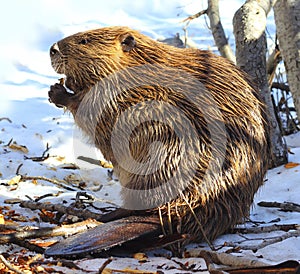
x,y
28,29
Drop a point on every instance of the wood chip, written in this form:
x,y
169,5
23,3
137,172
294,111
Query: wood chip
x,y
13,201
141,257
15,180
21,148
291,165
2,221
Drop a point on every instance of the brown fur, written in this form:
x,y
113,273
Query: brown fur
x,y
221,199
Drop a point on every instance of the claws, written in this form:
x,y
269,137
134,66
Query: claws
x,y
58,95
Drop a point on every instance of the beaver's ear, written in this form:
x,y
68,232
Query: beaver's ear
x,y
127,42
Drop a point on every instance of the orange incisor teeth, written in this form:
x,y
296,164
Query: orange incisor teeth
x,y
61,81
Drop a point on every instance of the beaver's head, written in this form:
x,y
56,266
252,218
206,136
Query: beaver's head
x,y
86,57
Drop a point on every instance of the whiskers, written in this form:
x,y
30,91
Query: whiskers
x,y
59,63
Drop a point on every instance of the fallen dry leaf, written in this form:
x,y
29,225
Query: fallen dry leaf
x,y
60,158
141,257
291,165
15,146
42,243
106,164
47,216
33,219
40,269
2,221
14,181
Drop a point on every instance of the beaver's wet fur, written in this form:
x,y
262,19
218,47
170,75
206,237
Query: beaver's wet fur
x,y
108,69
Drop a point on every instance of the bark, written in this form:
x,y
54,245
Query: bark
x,y
81,213
286,206
218,31
249,25
272,62
64,230
287,19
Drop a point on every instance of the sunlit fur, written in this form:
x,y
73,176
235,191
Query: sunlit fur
x,y
219,200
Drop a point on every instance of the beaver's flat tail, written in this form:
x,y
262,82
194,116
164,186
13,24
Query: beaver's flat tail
x,y
107,236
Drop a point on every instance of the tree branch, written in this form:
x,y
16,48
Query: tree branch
x,y
283,206
281,86
9,266
265,242
64,230
53,181
218,31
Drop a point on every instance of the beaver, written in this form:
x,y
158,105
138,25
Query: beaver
x,y
185,129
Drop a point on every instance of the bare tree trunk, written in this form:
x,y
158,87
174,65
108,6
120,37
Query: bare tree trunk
x,y
249,25
218,31
287,18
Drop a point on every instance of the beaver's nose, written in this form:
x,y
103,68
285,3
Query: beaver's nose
x,y
54,49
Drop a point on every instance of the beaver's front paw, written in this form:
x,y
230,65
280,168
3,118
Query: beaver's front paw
x,y
59,96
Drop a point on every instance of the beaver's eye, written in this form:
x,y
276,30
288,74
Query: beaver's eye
x,y
84,41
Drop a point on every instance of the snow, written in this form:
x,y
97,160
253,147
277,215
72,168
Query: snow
x,y
28,29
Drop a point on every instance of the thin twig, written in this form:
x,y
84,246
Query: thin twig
x,y
212,257
260,229
47,195
185,267
18,169
5,118
9,142
64,230
34,259
265,242
82,213
27,245
53,181
15,228
9,266
105,264
40,158
101,163
188,20
46,150
37,158
61,262
281,86
192,17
